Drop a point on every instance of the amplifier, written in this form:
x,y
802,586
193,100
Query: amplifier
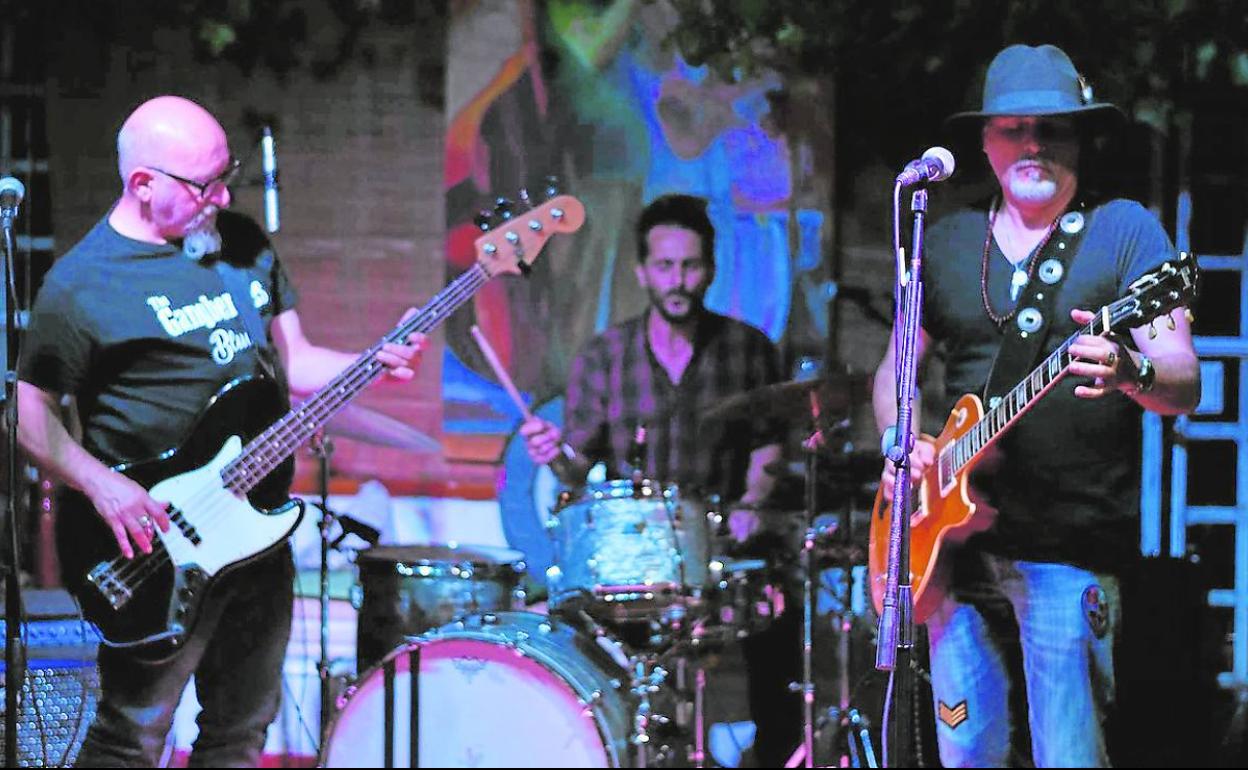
x,y
59,694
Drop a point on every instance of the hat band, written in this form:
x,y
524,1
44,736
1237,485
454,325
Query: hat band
x,y
1024,102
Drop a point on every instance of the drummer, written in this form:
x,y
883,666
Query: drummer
x,y
659,371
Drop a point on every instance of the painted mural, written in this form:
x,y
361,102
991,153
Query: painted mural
x,y
587,92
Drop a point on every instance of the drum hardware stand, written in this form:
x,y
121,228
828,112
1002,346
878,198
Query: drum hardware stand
x,y
323,448
699,719
647,679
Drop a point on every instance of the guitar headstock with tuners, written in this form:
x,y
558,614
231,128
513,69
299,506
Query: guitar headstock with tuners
x,y
1172,285
512,240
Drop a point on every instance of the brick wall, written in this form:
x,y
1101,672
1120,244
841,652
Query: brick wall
x,y
360,158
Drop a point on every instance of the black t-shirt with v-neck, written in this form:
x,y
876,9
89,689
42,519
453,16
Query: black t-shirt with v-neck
x,y
144,336
1069,485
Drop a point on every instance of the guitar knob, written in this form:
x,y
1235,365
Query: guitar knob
x,y
483,220
502,208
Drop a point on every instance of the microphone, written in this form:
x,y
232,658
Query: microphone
x,y
350,526
935,164
268,163
11,193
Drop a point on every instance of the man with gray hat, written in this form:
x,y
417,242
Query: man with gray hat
x,y
1031,602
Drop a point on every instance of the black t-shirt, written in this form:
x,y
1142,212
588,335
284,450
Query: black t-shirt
x,y
1069,485
144,336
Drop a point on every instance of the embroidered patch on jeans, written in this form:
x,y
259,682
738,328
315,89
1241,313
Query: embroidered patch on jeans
x,y
952,716
1096,610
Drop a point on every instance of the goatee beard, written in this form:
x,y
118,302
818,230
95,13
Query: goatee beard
x,y
202,237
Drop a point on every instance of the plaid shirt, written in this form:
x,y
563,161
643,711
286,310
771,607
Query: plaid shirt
x,y
616,382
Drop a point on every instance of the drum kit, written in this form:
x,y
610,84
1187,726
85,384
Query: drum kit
x,y
455,669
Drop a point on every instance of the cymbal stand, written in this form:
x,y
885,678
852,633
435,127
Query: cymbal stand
x,y
805,753
847,719
323,448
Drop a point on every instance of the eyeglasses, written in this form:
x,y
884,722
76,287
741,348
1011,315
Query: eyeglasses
x,y
208,189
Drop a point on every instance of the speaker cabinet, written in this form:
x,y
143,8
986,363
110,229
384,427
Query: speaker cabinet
x,y
59,693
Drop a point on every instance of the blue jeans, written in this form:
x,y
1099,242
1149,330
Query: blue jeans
x,y
1023,635
235,652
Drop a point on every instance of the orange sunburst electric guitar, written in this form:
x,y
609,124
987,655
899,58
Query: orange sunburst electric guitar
x,y
947,511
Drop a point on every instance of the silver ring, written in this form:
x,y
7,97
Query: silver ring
x,y
1111,359
145,522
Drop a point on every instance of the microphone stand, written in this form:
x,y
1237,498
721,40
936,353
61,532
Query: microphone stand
x,y
896,627
14,660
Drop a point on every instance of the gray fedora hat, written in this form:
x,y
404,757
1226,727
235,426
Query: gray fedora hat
x,y
1039,80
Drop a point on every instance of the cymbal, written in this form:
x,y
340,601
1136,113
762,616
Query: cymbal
x,y
790,402
359,423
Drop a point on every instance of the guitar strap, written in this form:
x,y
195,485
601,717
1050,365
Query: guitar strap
x,y
1024,336
235,282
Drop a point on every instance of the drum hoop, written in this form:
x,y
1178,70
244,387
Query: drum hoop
x,y
622,489
437,567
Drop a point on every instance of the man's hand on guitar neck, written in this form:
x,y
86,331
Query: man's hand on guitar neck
x,y
1107,364
921,458
402,361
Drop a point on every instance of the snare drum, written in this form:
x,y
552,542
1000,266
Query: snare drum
x,y
632,552
407,590
507,689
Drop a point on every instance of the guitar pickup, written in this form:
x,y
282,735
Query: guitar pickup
x,y
111,587
184,526
946,472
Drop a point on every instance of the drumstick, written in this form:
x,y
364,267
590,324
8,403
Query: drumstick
x,y
504,379
565,452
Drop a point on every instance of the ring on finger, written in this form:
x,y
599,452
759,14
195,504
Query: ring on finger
x,y
1111,359
145,522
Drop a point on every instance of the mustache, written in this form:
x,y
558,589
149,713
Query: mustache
x,y
1031,161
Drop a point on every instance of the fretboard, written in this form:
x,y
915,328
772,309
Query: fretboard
x,y
270,449
999,417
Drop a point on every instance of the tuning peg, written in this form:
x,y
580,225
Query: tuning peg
x,y
524,198
1152,330
1191,317
1170,321
483,220
502,207
552,186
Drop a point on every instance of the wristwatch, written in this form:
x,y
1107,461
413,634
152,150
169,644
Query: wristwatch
x,y
1146,375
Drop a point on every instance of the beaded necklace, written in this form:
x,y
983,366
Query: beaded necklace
x,y
1019,279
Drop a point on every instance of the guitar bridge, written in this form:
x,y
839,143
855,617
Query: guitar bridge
x,y
110,586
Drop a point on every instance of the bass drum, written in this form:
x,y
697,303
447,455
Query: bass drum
x,y
507,689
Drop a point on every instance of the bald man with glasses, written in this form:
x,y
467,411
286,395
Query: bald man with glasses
x,y
166,300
